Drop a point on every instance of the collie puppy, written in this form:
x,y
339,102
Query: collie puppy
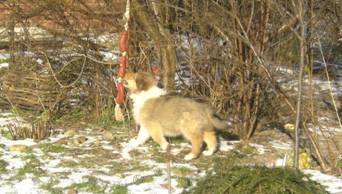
x,y
160,115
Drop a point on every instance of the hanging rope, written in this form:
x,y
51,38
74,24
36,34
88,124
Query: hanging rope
x,y
123,47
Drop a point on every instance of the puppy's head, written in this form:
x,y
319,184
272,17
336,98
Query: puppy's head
x,y
140,81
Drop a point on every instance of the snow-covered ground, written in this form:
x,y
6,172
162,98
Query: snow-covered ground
x,y
333,184
60,168
95,164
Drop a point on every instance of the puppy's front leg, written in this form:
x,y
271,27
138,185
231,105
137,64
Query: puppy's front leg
x,y
143,136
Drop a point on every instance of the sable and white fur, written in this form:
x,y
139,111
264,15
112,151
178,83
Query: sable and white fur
x,y
160,115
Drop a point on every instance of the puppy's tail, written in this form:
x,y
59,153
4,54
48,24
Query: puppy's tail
x,y
217,121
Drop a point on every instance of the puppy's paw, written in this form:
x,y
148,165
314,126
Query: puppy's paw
x,y
208,152
125,155
129,146
189,156
164,146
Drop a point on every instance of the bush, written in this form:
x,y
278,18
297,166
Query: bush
x,y
229,178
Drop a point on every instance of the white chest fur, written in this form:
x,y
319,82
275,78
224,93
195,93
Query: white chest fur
x,y
140,98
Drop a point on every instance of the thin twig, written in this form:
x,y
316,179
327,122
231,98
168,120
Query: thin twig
x,y
329,83
55,76
168,161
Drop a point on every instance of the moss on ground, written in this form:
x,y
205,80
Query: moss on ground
x,y
228,177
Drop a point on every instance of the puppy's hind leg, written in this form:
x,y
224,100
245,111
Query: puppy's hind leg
x,y
196,144
211,141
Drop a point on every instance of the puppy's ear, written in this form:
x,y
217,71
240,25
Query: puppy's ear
x,y
141,82
144,81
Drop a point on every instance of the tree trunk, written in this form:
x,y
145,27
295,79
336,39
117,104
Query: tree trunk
x,y
162,37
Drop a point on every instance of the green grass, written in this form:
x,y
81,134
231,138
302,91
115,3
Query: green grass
x,y
119,189
3,165
92,185
228,176
68,164
5,133
106,119
158,172
49,186
62,175
144,179
32,166
249,150
339,163
177,140
76,114
54,148
5,60
160,158
181,171
227,135
183,182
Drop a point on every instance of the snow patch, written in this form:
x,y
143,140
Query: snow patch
x,y
4,56
332,183
14,162
260,148
129,178
281,145
73,178
4,65
26,186
226,146
8,143
107,147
